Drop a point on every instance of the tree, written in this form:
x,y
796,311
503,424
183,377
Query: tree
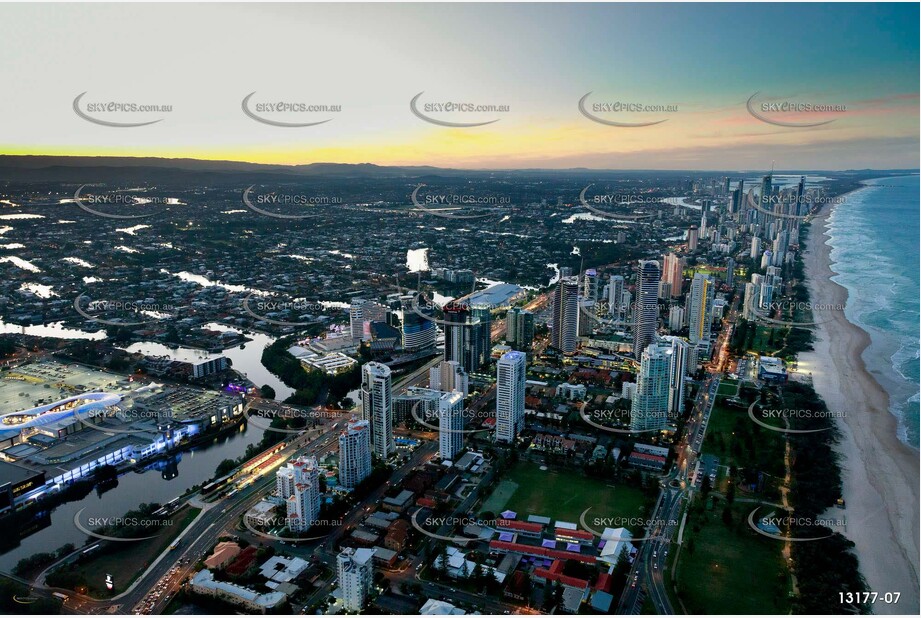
x,y
224,467
705,486
267,391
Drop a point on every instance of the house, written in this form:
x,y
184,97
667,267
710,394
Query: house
x,y
223,553
397,535
399,503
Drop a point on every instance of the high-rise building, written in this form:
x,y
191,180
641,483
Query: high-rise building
x,y
361,312
730,272
692,238
615,296
673,272
749,300
417,333
354,453
417,403
590,285
565,324
700,307
587,313
676,318
646,307
377,407
519,327
463,337
355,570
510,380
679,356
650,405
298,484
755,250
450,425
482,318
449,376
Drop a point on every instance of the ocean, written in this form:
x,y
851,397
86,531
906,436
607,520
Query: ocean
x,y
874,236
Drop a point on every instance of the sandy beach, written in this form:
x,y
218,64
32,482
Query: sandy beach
x,y
880,473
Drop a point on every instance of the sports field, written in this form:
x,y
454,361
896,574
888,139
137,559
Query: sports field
x,y
528,490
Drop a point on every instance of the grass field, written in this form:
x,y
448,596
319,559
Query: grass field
x,y
563,496
728,386
126,561
737,440
730,569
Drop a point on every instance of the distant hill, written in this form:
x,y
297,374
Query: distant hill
x,y
49,168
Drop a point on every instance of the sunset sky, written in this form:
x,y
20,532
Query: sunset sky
x,y
537,59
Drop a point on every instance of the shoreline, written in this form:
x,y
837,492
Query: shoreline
x,y
880,473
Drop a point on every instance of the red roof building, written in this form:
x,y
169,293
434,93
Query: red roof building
x,y
543,552
521,527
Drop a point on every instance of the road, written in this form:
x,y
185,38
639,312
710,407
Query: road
x,y
647,574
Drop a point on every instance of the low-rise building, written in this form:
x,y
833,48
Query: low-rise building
x,y
204,583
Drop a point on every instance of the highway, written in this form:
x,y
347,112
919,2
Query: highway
x,y
647,575
152,591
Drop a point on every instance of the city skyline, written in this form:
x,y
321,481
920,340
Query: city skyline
x,y
475,54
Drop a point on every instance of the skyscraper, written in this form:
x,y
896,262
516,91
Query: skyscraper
x,y
298,484
355,570
463,337
650,404
519,327
510,379
590,284
449,376
679,356
361,312
692,238
730,272
646,307
377,407
565,324
354,453
672,272
700,307
615,296
749,301
482,318
450,425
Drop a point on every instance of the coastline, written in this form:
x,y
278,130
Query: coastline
x,y
880,473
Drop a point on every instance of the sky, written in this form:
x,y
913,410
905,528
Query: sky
x,y
701,62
